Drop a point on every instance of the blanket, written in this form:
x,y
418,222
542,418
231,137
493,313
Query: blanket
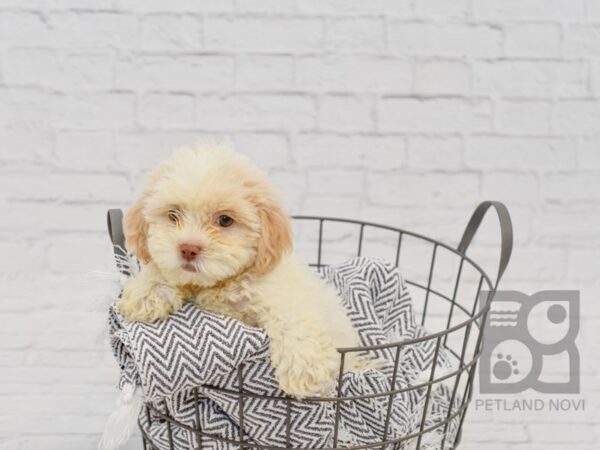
x,y
174,360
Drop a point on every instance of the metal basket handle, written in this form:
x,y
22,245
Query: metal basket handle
x,y
114,221
506,233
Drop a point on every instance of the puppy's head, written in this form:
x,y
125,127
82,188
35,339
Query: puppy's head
x,y
206,215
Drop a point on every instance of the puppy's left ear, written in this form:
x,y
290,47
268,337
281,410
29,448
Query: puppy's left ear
x,y
275,236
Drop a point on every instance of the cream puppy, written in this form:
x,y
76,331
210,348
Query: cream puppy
x,y
210,230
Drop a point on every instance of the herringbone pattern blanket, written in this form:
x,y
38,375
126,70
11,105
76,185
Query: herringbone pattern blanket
x,y
193,349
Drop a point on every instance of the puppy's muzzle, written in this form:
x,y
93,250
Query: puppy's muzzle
x,y
189,252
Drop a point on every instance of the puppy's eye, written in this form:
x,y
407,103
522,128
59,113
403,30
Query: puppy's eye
x,y
173,216
224,221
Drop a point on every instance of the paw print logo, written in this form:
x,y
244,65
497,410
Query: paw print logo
x,y
522,332
505,367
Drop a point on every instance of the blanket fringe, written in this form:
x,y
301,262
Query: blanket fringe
x,y
122,421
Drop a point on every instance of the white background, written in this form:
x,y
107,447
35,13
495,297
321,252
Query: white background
x,y
406,112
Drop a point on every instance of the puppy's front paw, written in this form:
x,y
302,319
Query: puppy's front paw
x,y
148,303
307,371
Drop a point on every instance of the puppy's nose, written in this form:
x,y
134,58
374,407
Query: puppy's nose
x,y
189,252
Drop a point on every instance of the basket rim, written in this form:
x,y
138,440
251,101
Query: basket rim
x,y
399,230
482,310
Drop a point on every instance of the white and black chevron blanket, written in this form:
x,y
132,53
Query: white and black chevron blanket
x,y
175,359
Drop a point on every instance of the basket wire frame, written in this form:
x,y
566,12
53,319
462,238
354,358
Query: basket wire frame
x,y
465,364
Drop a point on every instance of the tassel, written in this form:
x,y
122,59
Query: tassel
x,y
122,421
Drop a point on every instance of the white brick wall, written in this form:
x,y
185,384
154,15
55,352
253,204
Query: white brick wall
x,y
400,111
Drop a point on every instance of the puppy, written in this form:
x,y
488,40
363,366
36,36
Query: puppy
x,y
210,230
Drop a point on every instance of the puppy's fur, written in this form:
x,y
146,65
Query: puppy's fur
x,y
245,270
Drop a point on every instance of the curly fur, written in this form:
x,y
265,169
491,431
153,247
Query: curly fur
x,y
246,271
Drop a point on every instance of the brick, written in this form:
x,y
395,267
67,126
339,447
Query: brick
x,y
25,4
31,67
425,218
345,113
189,73
67,217
507,153
435,152
344,73
90,71
575,229
167,110
558,446
510,187
267,150
23,28
179,6
342,7
572,9
434,114
355,34
330,150
589,153
577,116
66,442
442,77
476,445
46,68
526,9
264,72
23,218
11,358
530,77
47,402
256,112
71,255
142,150
331,206
593,9
65,424
524,116
414,189
173,33
332,181
595,77
582,40
87,150
23,107
87,5
25,257
84,217
423,38
262,34
23,144
88,110
540,263
583,265
566,433
65,359
93,30
265,6
533,40
572,187
65,186
493,432
443,8
291,186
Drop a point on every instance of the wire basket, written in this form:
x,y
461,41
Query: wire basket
x,y
453,294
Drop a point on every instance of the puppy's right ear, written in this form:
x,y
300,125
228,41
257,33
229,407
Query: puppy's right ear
x,y
135,229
